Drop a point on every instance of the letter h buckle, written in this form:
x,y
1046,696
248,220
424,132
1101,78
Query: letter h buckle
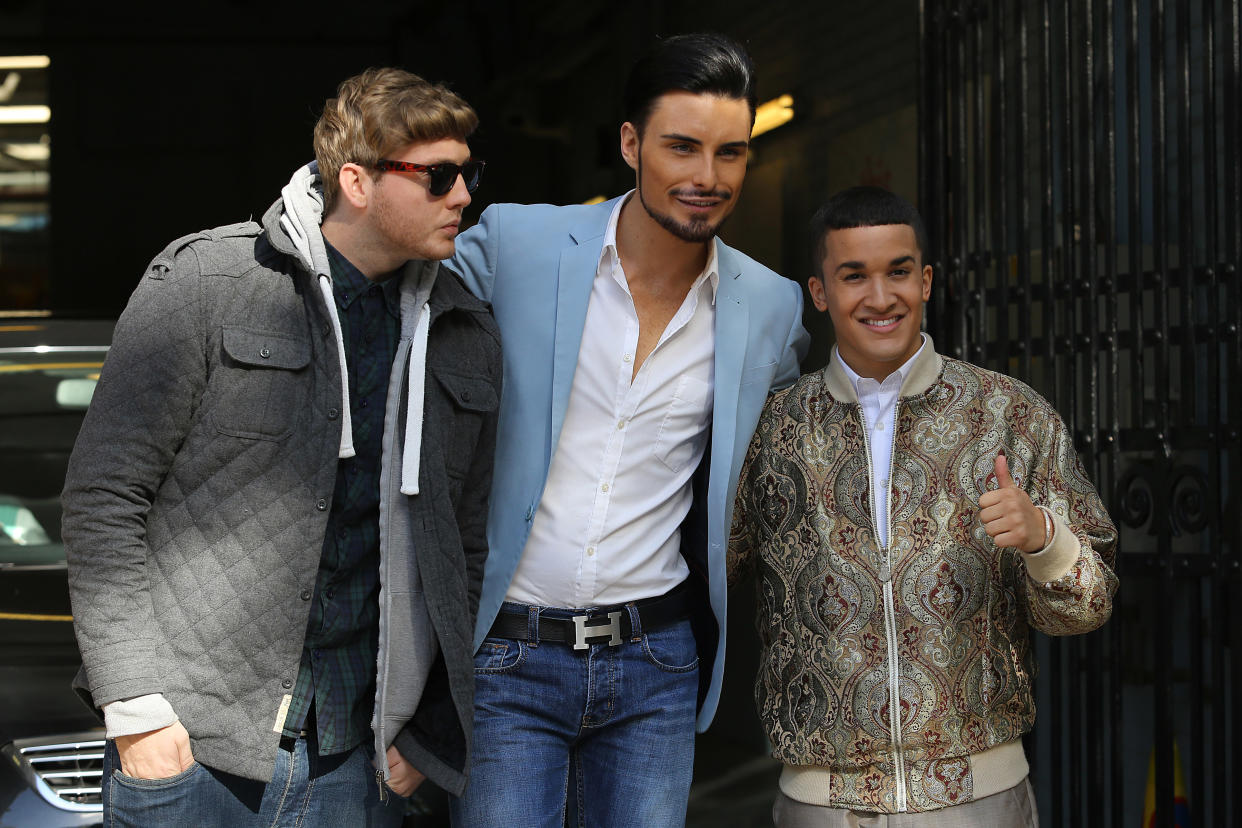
x,y
612,629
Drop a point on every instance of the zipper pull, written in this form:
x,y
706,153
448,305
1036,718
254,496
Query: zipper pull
x,y
886,574
383,789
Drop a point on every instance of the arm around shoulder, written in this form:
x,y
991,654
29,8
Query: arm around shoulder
x,y
796,343
477,251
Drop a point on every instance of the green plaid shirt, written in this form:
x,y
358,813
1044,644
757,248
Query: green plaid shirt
x,y
337,673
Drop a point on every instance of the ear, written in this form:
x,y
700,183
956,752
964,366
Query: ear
x,y
927,280
355,185
629,144
819,293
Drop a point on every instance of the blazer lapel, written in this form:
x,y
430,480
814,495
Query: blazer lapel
x,y
732,313
578,265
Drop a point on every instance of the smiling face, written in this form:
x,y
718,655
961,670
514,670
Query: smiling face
x,y
690,161
873,285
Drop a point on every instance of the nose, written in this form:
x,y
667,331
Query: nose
x,y
704,174
879,296
459,196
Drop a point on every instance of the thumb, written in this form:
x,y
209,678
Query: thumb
x,y
1003,480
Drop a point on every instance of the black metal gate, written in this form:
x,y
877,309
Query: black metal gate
x,y
1080,174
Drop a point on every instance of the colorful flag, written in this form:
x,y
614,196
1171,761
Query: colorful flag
x,y
1181,807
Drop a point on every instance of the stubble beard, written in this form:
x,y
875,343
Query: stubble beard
x,y
407,239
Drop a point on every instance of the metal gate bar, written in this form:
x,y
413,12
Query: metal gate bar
x,y
1080,175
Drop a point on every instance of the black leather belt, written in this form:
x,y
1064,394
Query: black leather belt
x,y
610,623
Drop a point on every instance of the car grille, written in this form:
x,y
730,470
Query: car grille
x,y
70,769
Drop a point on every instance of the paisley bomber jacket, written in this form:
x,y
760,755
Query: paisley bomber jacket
x,y
939,623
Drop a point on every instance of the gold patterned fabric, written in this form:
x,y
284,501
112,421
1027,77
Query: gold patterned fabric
x,y
946,635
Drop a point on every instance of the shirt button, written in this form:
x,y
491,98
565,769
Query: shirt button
x,y
879,426
590,551
287,683
333,413
321,505
627,357
883,481
331,593
604,487
620,424
306,595
363,404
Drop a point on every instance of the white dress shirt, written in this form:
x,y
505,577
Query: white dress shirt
x,y
607,529
879,406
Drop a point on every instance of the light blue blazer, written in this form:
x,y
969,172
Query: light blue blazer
x,y
536,265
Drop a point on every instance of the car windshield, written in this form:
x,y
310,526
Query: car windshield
x,y
44,392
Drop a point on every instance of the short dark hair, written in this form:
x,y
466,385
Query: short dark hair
x,y
864,207
702,63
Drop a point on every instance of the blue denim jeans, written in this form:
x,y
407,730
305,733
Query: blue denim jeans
x,y
599,737
306,790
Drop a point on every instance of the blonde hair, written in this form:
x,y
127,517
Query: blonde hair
x,y
378,112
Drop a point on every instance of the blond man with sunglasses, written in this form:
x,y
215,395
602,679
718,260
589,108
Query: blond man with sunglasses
x,y
275,512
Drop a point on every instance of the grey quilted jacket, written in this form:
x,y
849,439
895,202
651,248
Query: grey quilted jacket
x,y
198,494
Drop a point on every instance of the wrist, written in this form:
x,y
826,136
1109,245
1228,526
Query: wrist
x,y
1049,528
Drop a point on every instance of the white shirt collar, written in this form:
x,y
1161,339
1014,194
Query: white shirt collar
x,y
894,379
609,257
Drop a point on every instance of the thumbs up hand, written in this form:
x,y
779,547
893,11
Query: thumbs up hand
x,y
1007,514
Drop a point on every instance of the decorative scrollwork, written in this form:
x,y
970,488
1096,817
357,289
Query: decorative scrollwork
x,y
1134,496
1191,499
1159,496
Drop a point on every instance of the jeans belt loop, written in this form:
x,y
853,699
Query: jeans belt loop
x,y
636,623
532,626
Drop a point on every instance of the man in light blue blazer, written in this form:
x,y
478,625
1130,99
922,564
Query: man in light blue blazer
x,y
638,352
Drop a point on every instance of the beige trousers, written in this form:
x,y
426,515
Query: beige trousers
x,y
1014,808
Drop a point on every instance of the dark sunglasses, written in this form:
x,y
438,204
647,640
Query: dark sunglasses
x,y
440,177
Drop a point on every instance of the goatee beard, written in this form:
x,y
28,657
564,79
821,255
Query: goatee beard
x,y
695,231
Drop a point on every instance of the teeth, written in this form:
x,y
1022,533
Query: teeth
x,y
882,323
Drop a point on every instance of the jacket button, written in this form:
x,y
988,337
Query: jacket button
x,y
287,683
321,505
465,396
333,413
265,352
306,595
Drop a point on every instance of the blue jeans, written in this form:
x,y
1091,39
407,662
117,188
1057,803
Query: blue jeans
x,y
306,790
601,737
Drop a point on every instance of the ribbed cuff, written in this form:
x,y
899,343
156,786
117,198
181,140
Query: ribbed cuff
x,y
1057,558
141,714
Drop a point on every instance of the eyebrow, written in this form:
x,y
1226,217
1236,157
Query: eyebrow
x,y
860,266
673,136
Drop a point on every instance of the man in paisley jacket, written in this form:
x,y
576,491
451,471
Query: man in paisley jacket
x,y
910,517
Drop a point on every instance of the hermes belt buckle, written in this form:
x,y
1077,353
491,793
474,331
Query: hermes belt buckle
x,y
582,632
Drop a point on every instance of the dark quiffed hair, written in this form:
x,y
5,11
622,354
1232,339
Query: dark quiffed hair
x,y
864,207
702,63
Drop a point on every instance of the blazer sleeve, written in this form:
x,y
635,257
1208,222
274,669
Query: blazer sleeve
x,y
796,343
477,251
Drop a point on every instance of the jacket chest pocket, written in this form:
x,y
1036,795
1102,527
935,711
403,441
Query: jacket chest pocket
x,y
259,390
467,399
